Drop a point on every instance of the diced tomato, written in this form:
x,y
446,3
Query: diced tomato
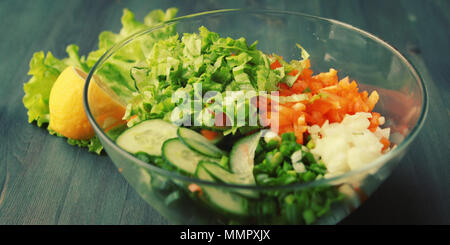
x,y
293,73
195,188
340,97
328,78
306,73
316,86
298,133
283,86
386,143
209,134
314,117
282,119
335,116
374,121
131,118
276,64
284,90
320,105
299,86
307,63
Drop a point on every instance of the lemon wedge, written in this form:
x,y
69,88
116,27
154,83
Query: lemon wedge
x,y
67,115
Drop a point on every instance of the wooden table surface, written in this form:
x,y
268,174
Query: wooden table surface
x,y
43,180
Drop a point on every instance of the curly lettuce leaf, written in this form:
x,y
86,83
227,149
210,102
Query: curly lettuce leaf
x,y
115,72
45,69
92,144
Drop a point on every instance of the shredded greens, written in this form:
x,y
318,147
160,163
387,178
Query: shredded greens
x,y
177,65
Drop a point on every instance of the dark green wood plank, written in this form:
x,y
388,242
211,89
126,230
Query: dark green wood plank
x,y
136,211
96,195
21,153
37,169
418,190
434,34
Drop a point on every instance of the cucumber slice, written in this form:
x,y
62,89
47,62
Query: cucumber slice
x,y
147,136
242,156
198,143
222,175
220,199
181,156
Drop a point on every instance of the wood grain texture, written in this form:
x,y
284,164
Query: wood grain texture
x,y
43,180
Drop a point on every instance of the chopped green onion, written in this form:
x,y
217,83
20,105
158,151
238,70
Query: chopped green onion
x,y
288,137
308,176
261,177
272,144
308,216
224,162
143,157
310,144
308,157
277,159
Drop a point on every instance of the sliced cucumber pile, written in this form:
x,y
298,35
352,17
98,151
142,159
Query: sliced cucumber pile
x,y
242,157
147,136
220,174
193,154
198,143
181,156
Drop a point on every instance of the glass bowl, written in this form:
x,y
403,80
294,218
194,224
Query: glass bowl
x,y
373,63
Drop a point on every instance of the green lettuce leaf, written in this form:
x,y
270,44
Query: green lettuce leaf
x,y
298,65
92,144
45,69
115,72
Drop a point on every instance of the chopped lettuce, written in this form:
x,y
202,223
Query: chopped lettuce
x,y
116,70
45,69
217,63
298,65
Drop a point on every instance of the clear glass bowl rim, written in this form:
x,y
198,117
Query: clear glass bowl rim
x,y
374,164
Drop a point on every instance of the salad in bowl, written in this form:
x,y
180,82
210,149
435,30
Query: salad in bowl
x,y
217,129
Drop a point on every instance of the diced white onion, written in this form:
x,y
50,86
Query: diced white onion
x,y
347,145
270,135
